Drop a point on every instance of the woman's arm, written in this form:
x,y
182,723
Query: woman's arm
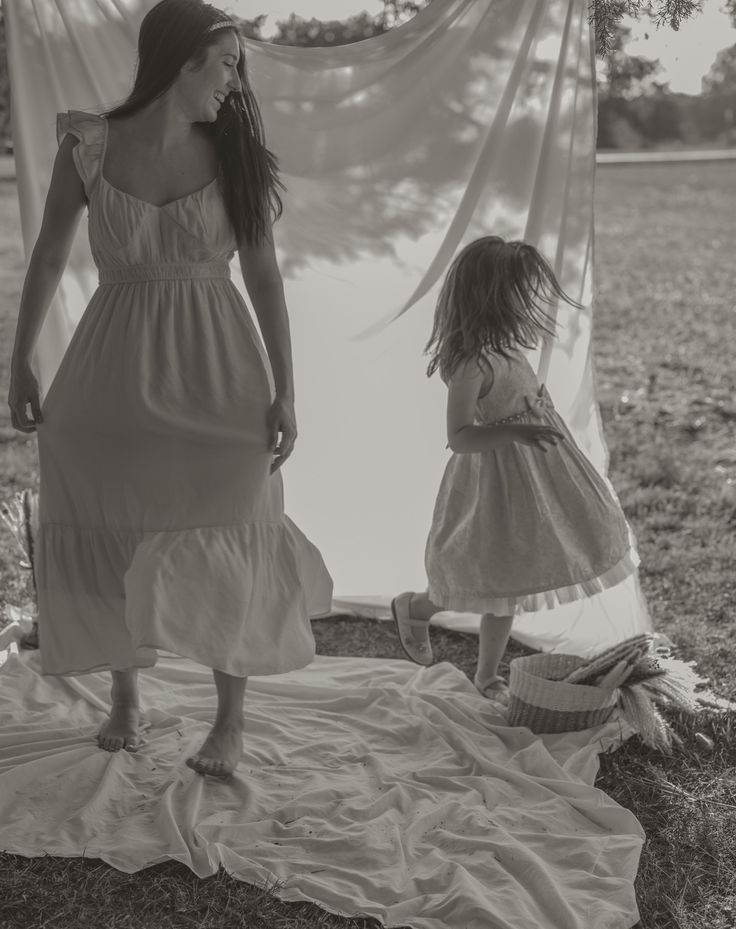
x,y
64,205
266,291
65,202
466,438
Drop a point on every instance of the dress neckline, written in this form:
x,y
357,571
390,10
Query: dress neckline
x,y
154,206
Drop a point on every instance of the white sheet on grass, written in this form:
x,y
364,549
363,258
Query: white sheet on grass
x,y
475,117
370,787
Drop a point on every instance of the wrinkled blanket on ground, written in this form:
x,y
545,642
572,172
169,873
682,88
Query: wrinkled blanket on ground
x,y
370,787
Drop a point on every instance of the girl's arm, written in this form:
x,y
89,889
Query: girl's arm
x,y
266,291
65,202
466,438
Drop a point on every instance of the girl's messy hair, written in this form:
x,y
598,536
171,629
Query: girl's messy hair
x,y
490,303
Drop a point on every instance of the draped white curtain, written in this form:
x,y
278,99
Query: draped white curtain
x,y
476,117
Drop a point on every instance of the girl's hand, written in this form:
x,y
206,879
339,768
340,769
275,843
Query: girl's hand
x,y
538,435
281,419
24,392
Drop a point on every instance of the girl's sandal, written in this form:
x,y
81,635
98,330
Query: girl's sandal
x,y
413,633
496,690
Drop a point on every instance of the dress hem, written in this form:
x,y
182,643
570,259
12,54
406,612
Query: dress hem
x,y
534,602
101,668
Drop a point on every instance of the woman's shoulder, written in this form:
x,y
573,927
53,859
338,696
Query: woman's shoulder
x,y
87,127
89,131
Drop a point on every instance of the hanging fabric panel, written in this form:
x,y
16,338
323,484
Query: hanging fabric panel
x,y
476,117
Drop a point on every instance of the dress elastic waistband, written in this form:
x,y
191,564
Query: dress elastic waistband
x,y
165,272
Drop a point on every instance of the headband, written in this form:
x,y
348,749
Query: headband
x,y
223,24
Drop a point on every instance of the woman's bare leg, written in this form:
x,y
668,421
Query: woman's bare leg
x,y
120,730
221,750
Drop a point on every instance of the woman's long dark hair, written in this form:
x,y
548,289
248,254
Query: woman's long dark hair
x,y
490,303
173,33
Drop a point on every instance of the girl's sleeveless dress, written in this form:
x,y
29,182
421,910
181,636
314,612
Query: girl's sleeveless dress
x,y
517,529
160,525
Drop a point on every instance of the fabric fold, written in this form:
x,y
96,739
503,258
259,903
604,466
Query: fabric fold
x,y
234,598
371,787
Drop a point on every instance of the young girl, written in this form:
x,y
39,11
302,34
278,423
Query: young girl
x,y
523,521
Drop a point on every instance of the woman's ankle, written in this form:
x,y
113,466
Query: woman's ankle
x,y
230,719
124,690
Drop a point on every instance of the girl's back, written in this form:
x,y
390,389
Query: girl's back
x,y
509,381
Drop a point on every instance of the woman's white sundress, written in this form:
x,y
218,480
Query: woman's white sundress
x,y
516,529
160,524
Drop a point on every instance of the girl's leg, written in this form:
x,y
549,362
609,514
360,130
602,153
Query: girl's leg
x,y
121,729
421,607
494,636
221,750
412,613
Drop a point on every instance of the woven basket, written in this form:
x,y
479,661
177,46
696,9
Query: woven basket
x,y
541,701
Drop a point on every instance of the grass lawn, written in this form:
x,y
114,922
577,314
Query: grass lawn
x,y
666,329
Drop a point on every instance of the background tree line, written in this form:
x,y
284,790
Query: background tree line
x,y
635,109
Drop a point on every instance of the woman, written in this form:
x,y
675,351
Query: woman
x,y
161,504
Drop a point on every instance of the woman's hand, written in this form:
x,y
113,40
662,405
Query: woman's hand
x,y
538,435
24,392
281,419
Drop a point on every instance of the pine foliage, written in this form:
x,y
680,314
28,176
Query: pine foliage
x,y
605,16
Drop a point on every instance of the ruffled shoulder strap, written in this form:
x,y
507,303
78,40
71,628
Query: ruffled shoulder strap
x,y
90,130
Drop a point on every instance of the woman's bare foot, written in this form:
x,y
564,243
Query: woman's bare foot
x,y
221,750
120,730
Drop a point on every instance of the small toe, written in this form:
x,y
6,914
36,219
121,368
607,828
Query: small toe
x,y
199,764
